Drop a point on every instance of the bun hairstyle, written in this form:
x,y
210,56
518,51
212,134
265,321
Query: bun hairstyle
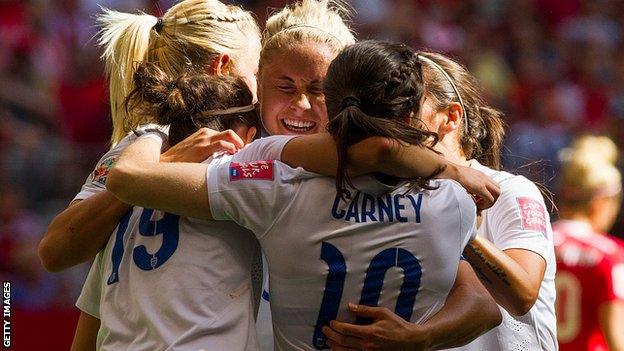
x,y
373,89
320,21
483,129
191,101
589,171
191,34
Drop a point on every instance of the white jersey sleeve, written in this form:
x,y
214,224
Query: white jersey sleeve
x,y
269,148
96,181
520,218
252,194
89,299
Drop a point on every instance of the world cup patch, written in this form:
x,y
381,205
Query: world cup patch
x,y
533,214
258,170
101,171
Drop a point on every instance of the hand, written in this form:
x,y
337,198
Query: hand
x,y
202,144
388,332
480,186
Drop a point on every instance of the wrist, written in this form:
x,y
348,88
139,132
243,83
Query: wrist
x,y
450,171
420,336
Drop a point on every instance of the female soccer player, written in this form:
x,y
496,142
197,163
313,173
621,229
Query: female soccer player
x,y
203,35
162,281
372,90
515,236
590,275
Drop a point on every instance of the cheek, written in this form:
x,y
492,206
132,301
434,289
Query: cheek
x,y
270,106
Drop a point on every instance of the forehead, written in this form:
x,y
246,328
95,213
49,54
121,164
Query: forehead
x,y
306,60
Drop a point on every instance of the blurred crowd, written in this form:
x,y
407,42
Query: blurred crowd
x,y
555,67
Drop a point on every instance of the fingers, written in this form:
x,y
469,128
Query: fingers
x,y
221,145
341,340
367,311
229,136
348,329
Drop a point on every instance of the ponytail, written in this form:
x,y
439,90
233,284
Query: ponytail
x,y
352,125
189,36
125,38
191,101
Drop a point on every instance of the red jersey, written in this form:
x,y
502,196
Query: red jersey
x,y
590,272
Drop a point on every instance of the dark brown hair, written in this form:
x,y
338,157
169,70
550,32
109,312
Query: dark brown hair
x,y
483,137
186,103
372,88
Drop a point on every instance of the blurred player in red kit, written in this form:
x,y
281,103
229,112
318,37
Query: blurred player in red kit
x,y
590,277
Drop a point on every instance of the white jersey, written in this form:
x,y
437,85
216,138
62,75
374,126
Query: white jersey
x,y
519,220
165,282
400,250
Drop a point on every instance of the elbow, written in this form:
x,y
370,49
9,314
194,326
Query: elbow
x,y
522,304
118,181
48,257
489,310
381,150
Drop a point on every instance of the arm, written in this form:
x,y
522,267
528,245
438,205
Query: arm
x,y
180,188
86,333
611,321
317,153
80,231
513,276
468,312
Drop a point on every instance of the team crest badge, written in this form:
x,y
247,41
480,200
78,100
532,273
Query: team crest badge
x,y
101,171
258,170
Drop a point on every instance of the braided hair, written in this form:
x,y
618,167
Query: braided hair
x,y
373,89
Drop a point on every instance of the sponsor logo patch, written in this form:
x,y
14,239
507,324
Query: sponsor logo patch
x,y
533,214
101,171
258,170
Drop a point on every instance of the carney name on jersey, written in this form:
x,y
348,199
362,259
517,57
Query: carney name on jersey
x,y
400,250
165,282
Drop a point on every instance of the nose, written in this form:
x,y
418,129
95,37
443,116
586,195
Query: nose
x,y
301,102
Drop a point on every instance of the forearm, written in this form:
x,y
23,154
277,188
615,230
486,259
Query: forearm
x,y
85,338
78,233
506,280
468,312
317,153
139,179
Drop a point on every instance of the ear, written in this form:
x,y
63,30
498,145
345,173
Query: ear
x,y
221,65
250,135
454,115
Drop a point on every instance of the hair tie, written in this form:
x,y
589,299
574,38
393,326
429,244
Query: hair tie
x,y
171,85
349,101
159,25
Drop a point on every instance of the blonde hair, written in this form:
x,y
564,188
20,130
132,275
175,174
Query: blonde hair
x,y
188,36
321,21
589,171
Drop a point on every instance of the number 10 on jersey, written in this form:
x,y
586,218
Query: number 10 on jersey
x,y
373,283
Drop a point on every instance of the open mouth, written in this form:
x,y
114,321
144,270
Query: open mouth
x,y
298,126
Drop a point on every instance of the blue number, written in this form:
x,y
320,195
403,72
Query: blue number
x,y
118,248
375,274
373,284
333,291
168,227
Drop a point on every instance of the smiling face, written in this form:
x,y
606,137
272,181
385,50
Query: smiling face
x,y
291,89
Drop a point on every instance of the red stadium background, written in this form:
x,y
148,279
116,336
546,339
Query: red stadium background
x,y
555,67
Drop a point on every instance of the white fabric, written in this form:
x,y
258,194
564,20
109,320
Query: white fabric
x,y
197,296
503,225
295,214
